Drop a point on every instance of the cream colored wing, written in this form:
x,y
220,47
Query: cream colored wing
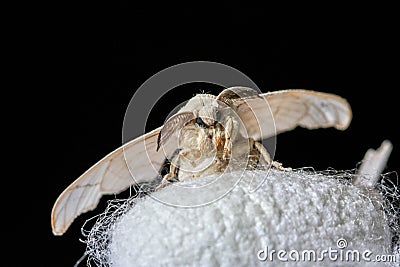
x,y
292,108
110,175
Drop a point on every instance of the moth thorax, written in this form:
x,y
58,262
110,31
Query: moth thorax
x,y
192,137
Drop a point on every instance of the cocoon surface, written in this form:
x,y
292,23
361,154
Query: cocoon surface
x,y
291,211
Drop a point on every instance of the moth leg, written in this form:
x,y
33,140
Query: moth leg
x,y
265,158
172,176
228,136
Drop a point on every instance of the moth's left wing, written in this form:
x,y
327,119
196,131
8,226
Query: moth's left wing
x,y
276,112
110,175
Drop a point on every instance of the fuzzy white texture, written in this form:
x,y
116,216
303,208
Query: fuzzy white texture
x,y
290,211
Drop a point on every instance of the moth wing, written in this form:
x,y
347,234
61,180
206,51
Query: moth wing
x,y
110,175
276,112
231,95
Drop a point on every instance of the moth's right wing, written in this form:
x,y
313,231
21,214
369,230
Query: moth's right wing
x,y
137,161
272,113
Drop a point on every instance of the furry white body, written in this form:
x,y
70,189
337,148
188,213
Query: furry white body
x,y
210,148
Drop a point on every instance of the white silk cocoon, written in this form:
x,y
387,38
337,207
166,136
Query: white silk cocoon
x,y
296,210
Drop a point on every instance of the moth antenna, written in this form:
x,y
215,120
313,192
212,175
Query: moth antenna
x,y
158,141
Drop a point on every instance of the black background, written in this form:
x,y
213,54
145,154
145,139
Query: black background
x,y
96,61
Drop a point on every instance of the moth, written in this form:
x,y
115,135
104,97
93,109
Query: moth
x,y
210,134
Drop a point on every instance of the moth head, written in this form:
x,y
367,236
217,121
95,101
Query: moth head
x,y
202,119
202,110
207,116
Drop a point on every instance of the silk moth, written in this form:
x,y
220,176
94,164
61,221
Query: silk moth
x,y
203,137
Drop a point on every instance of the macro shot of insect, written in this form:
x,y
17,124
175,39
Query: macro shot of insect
x,y
210,134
